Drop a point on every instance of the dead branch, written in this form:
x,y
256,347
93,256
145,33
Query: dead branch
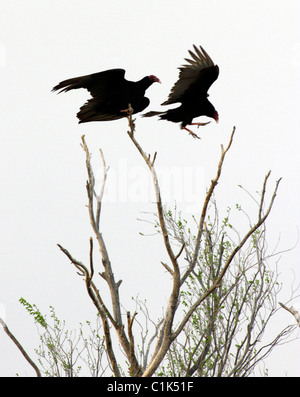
x,y
20,347
163,342
91,261
150,165
167,268
133,371
293,311
208,196
100,196
107,275
180,251
98,302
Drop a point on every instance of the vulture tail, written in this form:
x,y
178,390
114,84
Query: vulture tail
x,y
90,112
70,84
152,113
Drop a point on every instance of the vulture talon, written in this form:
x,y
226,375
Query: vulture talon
x,y
200,124
129,111
191,133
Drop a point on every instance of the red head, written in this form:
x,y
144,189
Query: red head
x,y
154,79
216,116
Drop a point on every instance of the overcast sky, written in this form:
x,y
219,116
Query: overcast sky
x,y
257,47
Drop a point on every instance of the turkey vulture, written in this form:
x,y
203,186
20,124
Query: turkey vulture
x,y
111,94
190,90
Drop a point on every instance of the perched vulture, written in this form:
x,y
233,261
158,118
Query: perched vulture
x,y
111,94
190,90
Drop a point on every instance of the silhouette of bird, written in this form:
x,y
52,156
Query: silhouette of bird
x,y
190,90
111,94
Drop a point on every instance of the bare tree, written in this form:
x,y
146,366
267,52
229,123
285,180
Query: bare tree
x,y
212,324
166,331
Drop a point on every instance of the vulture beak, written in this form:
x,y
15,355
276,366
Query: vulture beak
x,y
154,79
216,116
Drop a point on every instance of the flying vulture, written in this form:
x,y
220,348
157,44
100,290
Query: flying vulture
x,y
111,94
190,90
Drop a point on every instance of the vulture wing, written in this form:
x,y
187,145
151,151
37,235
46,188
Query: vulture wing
x,y
102,85
197,76
111,93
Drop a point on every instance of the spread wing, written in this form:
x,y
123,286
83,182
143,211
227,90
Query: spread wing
x,y
101,85
194,78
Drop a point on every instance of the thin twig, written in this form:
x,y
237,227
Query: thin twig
x,y
180,252
263,195
167,268
91,260
100,196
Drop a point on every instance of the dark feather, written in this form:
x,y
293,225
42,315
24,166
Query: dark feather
x,y
111,94
195,79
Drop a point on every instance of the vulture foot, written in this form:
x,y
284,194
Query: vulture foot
x,y
191,133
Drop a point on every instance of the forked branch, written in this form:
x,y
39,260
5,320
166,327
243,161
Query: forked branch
x,y
163,342
98,302
115,317
166,336
208,196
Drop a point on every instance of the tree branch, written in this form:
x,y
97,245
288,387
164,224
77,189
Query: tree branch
x,y
163,342
133,371
213,184
98,302
21,349
109,277
293,311
218,280
108,272
100,196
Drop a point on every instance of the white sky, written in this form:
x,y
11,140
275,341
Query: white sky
x,y
257,47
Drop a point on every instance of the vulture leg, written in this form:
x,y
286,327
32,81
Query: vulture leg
x,y
199,124
128,110
191,132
